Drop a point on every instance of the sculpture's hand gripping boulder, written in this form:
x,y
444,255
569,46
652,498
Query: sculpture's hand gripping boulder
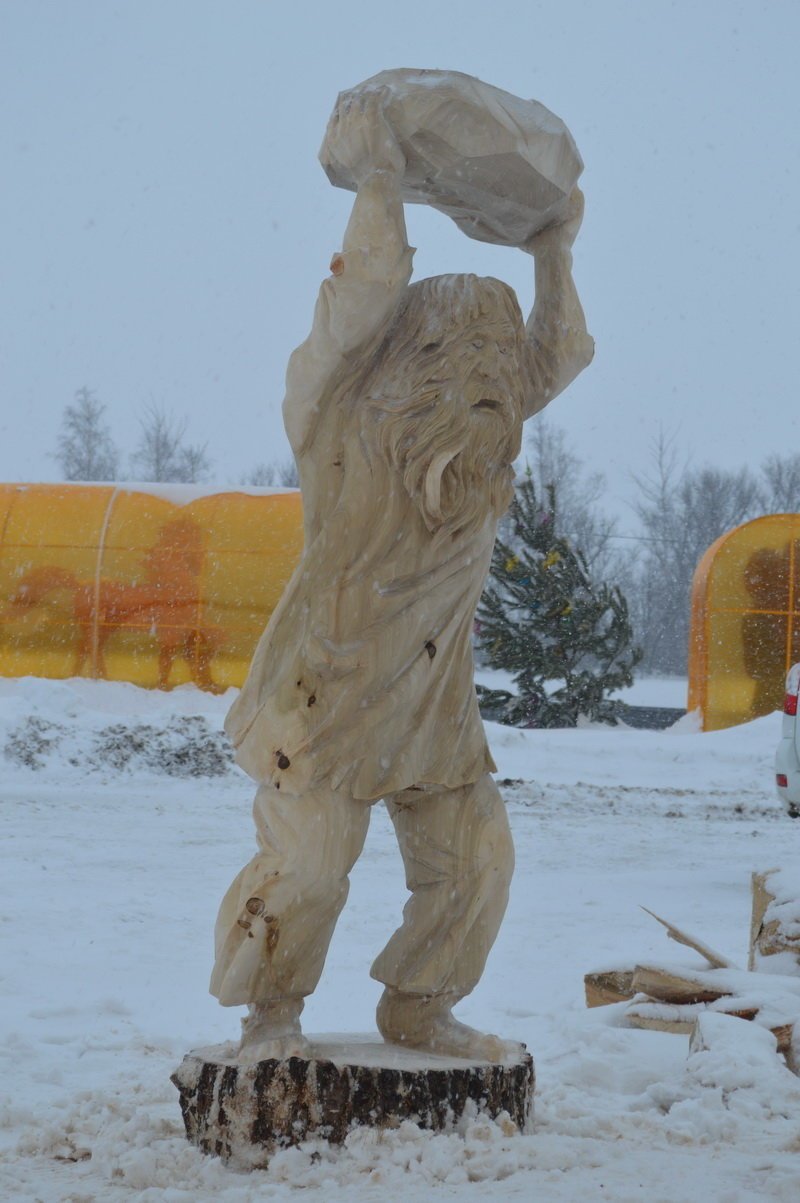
x,y
501,167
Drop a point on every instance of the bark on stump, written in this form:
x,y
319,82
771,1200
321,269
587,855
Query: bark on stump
x,y
243,1113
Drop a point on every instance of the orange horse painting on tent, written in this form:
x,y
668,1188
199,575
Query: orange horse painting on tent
x,y
129,584
167,602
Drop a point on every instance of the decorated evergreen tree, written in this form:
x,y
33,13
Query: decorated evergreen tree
x,y
566,638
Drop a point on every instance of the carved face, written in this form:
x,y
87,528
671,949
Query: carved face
x,y
482,365
447,391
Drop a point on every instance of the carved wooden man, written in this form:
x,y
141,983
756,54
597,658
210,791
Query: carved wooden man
x,y
404,408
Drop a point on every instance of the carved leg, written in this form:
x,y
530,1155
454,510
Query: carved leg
x,y
277,918
458,856
272,1030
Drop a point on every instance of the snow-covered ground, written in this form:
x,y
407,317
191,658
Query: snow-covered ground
x,y
645,691
114,861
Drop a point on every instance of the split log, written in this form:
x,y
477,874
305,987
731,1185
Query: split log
x,y
656,1017
761,898
672,1002
674,999
678,1017
243,1113
677,985
669,985
775,919
778,991
715,959
720,1032
605,987
680,986
660,1017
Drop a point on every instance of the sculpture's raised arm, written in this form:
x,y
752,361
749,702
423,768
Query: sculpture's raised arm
x,y
561,346
374,263
369,274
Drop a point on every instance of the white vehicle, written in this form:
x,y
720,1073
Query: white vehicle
x,y
787,757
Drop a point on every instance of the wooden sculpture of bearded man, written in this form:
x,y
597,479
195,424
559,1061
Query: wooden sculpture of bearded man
x,y
404,408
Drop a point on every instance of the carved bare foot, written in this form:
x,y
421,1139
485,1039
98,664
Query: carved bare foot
x,y
271,1031
425,1021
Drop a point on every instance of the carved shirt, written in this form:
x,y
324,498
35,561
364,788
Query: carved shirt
x,y
363,678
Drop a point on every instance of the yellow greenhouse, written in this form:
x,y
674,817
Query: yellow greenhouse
x,y
158,585
745,621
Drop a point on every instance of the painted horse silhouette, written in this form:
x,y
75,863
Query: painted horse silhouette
x,y
167,602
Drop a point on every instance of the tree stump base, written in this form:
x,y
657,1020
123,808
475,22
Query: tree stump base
x,y
243,1113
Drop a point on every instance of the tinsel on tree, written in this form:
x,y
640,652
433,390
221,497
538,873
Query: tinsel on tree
x,y
567,639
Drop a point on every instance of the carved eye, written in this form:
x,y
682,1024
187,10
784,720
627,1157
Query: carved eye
x,y
429,348
477,343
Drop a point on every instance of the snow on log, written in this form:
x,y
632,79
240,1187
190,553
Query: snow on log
x,y
715,959
672,1001
676,999
775,921
679,985
736,1040
604,987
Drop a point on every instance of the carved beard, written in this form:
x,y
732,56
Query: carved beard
x,y
421,411
454,461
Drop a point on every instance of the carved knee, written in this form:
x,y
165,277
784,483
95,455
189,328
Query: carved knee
x,y
495,852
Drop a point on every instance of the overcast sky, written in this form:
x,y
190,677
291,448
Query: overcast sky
x,y
165,223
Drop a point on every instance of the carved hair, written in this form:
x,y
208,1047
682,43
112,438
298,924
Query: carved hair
x,y
455,464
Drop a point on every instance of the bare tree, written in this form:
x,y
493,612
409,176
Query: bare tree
x,y
85,449
262,476
780,484
162,454
266,475
288,475
193,463
580,516
682,510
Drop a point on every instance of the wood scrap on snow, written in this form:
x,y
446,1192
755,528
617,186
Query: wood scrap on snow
x,y
775,923
672,998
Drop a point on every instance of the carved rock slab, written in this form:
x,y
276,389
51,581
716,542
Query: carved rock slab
x,y
243,1113
501,167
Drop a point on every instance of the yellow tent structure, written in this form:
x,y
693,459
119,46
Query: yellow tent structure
x,y
158,585
745,631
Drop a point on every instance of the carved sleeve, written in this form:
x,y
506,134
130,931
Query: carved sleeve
x,y
368,278
560,345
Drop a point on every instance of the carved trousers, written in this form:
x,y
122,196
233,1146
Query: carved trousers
x,y
277,918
